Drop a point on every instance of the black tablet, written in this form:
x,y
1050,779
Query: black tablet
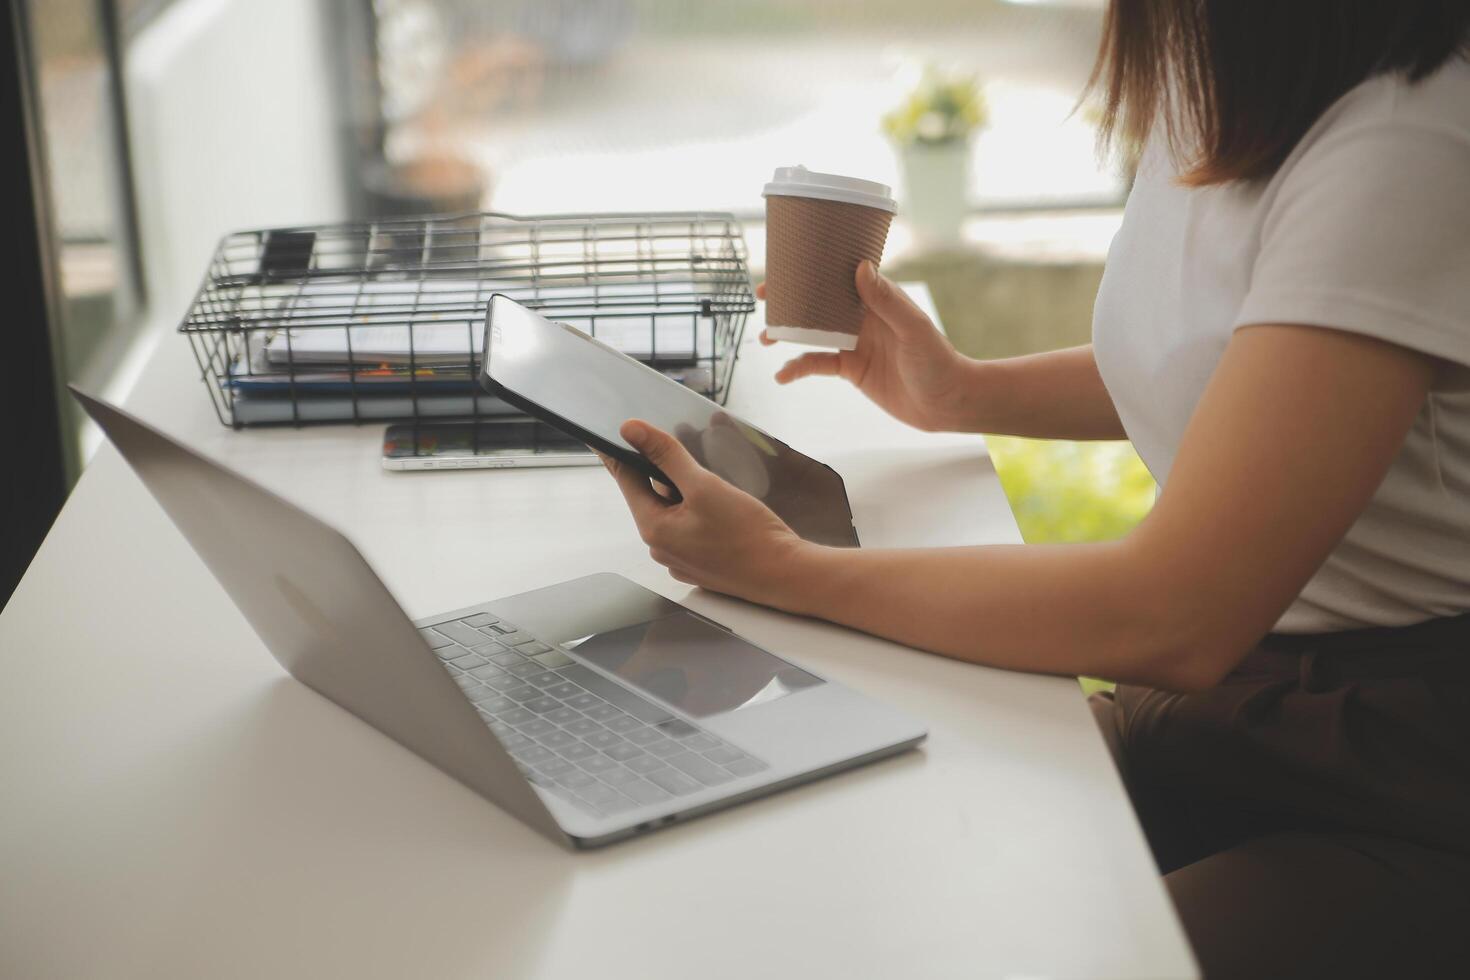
x,y
588,390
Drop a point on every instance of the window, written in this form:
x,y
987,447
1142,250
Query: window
x,y
680,104
88,183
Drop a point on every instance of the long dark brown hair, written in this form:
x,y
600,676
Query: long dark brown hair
x,y
1236,83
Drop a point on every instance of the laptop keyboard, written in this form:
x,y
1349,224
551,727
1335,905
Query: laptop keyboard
x,y
573,732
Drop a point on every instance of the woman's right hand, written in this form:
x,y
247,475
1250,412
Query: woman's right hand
x,y
902,361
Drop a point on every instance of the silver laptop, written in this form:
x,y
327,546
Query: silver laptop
x,y
593,710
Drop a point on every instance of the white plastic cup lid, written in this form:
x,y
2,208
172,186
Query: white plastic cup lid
x,y
801,182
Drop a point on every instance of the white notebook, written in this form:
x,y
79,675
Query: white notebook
x,y
458,338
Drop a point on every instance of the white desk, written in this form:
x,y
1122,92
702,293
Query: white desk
x,y
176,806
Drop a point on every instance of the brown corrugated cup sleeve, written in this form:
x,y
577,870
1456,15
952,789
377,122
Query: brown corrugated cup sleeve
x,y
813,249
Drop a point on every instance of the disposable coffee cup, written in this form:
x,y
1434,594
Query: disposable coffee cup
x,y
819,229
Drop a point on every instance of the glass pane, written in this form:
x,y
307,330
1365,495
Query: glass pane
x,y
567,105
86,183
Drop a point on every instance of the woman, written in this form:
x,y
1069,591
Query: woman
x,y
1283,331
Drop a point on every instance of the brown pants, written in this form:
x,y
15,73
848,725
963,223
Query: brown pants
x,y
1311,814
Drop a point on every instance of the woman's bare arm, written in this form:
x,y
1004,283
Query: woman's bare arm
x,y
911,370
1287,445
1055,395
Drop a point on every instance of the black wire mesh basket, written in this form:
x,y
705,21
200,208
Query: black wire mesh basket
x,y
383,320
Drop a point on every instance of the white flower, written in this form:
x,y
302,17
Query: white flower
x,y
932,127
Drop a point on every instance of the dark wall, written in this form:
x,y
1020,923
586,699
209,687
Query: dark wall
x,y
32,467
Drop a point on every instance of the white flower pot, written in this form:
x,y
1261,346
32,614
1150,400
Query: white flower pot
x,y
936,178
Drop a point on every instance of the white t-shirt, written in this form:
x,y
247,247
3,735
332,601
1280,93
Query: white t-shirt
x,y
1365,228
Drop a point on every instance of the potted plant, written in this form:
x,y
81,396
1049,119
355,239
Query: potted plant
x,y
932,129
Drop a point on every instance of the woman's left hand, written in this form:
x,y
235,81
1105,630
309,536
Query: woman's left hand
x,y
718,536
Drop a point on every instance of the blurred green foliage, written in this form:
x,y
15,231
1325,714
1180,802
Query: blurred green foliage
x,y
1064,491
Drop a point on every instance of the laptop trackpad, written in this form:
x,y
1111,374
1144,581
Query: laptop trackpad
x,y
696,668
